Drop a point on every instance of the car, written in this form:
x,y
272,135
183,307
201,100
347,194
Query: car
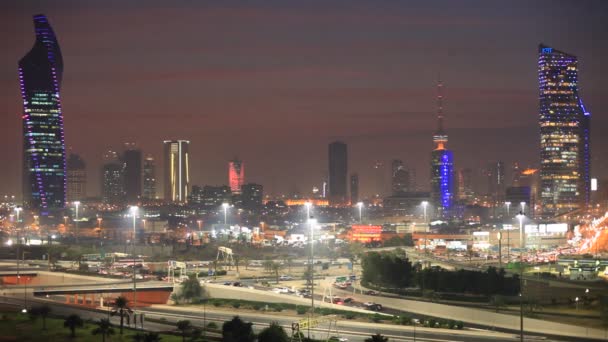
x,y
337,339
342,286
281,290
348,300
371,293
237,284
228,283
285,277
372,306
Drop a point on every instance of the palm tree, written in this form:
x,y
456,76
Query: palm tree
x,y
104,327
275,268
121,307
377,338
72,322
184,326
44,311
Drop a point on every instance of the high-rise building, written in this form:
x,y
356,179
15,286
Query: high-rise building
x,y
379,179
177,175
211,196
442,165
77,178
252,196
112,179
465,184
338,170
495,174
149,177
354,188
564,134
133,173
44,162
236,175
400,179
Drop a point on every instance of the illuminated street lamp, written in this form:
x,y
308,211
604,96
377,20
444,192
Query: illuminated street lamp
x,y
133,211
200,224
508,204
225,206
99,219
521,217
311,224
360,205
424,205
523,206
77,205
308,205
36,220
18,211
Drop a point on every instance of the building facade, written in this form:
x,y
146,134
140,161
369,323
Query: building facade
x,y
112,179
252,196
149,178
77,178
354,188
44,160
338,170
132,159
400,177
236,175
564,135
177,174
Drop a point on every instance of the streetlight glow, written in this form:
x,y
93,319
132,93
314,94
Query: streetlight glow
x,y
360,205
225,206
424,205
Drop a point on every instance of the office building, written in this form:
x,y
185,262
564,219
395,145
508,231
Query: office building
x,y
177,175
354,188
112,179
236,175
442,166
77,178
149,177
400,177
338,170
465,184
495,174
44,160
132,159
564,134
252,196
211,197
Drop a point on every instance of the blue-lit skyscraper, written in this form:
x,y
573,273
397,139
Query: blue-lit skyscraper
x,y
442,166
564,134
44,164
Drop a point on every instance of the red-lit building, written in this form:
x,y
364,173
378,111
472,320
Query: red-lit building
x,y
236,175
365,233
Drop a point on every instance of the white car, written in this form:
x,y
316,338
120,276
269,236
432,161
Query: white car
x,y
280,290
337,339
285,277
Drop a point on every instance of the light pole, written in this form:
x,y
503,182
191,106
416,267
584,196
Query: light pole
x,y
200,224
523,207
311,224
360,205
308,205
499,250
508,204
225,206
99,219
521,217
76,204
424,205
134,210
18,211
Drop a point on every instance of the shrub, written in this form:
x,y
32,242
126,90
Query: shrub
x,y
256,307
459,325
236,305
451,324
350,315
221,272
212,325
376,318
432,323
301,310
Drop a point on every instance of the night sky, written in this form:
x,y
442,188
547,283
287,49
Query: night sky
x,y
273,82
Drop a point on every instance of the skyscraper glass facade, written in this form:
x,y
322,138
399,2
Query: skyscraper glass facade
x,y
338,170
442,166
44,162
564,134
177,174
236,175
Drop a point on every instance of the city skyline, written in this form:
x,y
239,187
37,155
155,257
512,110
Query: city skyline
x,y
381,106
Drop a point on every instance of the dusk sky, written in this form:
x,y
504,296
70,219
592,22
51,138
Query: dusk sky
x,y
273,82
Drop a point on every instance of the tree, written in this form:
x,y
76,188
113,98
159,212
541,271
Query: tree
x,y
44,311
191,289
353,251
121,308
377,338
147,337
276,267
104,328
184,326
273,333
236,330
268,265
72,322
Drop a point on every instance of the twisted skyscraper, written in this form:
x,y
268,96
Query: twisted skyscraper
x,y
442,165
564,134
44,163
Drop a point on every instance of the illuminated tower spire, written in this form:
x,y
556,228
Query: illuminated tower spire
x,y
440,137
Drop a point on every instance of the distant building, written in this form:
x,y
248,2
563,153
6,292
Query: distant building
x,y
236,175
354,188
44,162
177,174
518,194
406,203
252,196
338,170
77,178
210,196
379,175
565,159
495,174
112,179
442,166
465,184
132,159
400,179
149,178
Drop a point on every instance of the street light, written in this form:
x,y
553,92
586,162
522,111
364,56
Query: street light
x,y
311,223
308,205
508,204
18,210
499,235
76,204
523,206
521,217
134,210
225,206
360,205
200,223
424,205
99,219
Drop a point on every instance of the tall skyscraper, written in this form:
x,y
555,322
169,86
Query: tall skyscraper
x,y
379,179
236,175
465,184
133,173
495,174
252,196
354,188
149,177
112,179
564,134
338,170
400,180
177,174
44,162
442,165
77,178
